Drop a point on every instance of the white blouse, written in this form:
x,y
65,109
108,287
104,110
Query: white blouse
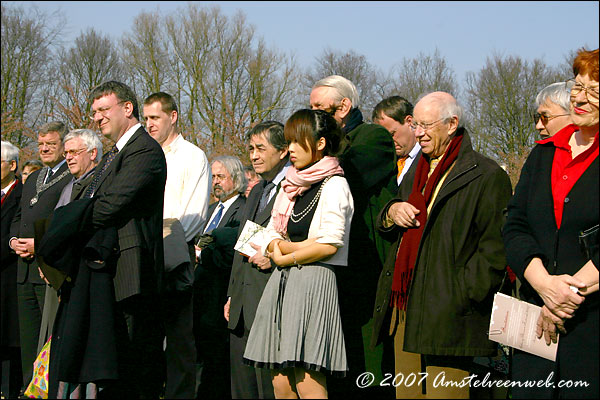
x,y
331,221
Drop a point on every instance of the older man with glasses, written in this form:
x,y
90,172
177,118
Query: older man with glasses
x,y
552,104
40,195
438,289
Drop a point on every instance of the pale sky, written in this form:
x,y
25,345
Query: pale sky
x,y
464,32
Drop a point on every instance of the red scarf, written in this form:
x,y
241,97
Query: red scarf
x,y
9,190
409,247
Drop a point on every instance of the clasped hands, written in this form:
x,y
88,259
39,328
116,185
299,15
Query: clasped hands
x,y
24,247
560,304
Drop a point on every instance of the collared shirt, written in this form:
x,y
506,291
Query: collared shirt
x,y
226,206
409,160
188,185
54,169
65,195
277,180
126,136
566,170
6,188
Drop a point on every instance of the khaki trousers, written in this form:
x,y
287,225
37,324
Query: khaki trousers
x,y
425,377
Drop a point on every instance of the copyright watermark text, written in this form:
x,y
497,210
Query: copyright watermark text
x,y
367,379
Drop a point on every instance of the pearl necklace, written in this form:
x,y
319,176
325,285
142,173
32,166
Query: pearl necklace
x,y
298,217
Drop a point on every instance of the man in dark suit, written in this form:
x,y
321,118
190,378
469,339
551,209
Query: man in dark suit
x,y
40,195
395,115
270,159
212,277
128,188
12,378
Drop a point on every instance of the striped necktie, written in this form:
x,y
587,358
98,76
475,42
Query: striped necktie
x,y
109,157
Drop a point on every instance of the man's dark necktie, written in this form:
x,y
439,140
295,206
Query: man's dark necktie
x,y
264,198
109,157
216,219
50,175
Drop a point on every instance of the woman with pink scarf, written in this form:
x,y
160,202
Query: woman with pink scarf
x,y
297,332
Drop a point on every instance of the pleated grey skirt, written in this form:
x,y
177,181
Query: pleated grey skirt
x,y
298,323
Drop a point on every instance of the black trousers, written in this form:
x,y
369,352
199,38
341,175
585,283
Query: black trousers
x,y
246,382
181,347
142,365
31,305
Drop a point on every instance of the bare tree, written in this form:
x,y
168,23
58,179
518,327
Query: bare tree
x,y
145,53
368,79
499,103
91,60
27,41
413,77
227,78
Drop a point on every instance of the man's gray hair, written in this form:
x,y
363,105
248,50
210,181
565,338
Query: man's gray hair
x,y
10,152
54,126
89,138
558,93
236,169
343,88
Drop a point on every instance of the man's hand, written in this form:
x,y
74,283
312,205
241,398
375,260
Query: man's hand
x,y
24,247
404,214
226,309
258,259
198,250
43,276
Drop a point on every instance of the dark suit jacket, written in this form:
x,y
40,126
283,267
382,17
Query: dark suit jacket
x,y
212,276
129,196
25,217
246,283
9,332
410,174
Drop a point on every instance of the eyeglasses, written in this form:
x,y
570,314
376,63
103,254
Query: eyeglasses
x,y
545,118
414,125
590,93
50,145
103,110
73,153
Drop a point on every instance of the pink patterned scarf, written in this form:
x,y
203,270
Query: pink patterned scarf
x,y
297,182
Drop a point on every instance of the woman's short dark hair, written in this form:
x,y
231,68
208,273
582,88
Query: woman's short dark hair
x,y
306,127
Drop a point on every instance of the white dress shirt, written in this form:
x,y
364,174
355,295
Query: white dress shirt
x,y
188,185
126,136
409,160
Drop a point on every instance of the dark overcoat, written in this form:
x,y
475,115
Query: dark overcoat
x,y
460,262
531,231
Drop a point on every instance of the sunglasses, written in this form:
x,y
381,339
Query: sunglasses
x,y
545,118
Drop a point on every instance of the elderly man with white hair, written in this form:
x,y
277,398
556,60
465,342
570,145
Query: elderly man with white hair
x,y
450,256
82,152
